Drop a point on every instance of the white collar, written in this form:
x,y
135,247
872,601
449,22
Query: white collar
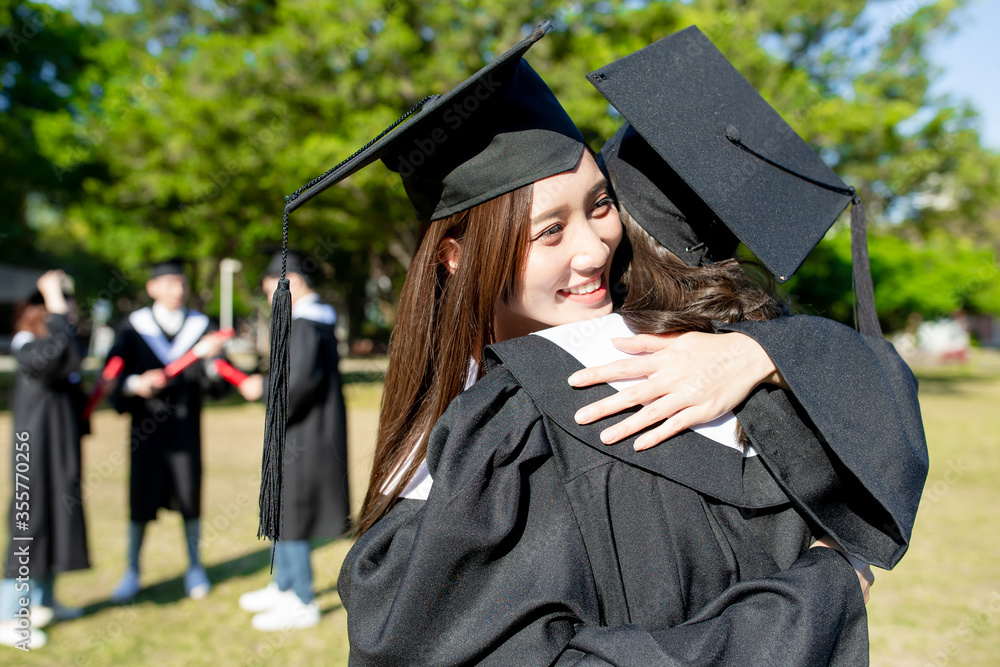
x,y
309,307
195,324
170,321
20,339
589,341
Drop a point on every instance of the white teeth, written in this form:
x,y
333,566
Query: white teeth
x,y
586,289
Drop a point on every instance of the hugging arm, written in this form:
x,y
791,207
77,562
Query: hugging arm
x,y
855,389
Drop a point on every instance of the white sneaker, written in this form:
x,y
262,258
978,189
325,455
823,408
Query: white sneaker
x,y
10,635
41,615
269,597
293,615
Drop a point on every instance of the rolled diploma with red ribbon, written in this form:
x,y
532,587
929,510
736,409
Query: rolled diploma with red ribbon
x,y
103,386
230,373
199,351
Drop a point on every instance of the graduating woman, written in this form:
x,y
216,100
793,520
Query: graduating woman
x,y
47,529
476,191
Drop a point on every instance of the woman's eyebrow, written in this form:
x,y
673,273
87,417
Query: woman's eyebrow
x,y
561,211
597,187
556,212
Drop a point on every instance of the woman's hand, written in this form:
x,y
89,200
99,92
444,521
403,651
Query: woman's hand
x,y
49,285
149,384
691,378
252,388
864,571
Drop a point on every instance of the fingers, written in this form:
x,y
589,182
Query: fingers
x,y
157,379
684,419
654,413
644,343
635,395
616,370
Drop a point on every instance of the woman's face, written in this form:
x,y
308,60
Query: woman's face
x,y
574,232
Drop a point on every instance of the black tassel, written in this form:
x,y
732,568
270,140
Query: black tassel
x,y
865,315
281,326
277,405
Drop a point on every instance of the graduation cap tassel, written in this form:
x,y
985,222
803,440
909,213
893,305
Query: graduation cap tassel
x,y
865,315
277,386
277,404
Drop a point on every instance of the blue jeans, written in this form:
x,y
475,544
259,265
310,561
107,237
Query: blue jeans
x,y
39,592
292,569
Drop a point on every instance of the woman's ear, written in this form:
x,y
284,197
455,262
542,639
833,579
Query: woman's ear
x,y
450,253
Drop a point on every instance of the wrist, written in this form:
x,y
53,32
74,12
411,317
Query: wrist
x,y
759,365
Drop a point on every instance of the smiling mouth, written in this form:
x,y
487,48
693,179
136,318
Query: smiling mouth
x,y
590,292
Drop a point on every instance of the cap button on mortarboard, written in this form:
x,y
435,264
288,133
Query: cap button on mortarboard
x,y
732,133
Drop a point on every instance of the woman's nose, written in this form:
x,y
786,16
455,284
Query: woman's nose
x,y
590,251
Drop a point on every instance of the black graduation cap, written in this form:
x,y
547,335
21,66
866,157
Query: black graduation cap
x,y
661,203
726,146
499,130
169,267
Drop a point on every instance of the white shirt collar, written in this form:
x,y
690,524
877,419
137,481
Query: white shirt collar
x,y
170,321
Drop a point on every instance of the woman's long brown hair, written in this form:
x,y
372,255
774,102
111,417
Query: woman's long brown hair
x,y
445,318
665,295
31,316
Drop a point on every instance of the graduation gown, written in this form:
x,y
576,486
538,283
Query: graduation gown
x,y
46,405
165,438
862,397
535,548
539,546
314,490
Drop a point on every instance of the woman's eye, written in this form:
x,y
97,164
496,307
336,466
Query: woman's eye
x,y
604,204
550,232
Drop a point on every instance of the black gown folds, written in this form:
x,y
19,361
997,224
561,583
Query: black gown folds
x,y
862,397
165,438
314,490
539,545
46,405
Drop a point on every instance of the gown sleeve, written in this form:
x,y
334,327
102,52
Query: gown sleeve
x,y
862,398
51,358
492,569
125,346
784,619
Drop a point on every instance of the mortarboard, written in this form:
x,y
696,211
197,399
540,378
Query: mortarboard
x,y
729,156
499,130
656,198
169,267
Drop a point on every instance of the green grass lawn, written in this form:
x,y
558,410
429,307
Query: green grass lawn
x,y
940,606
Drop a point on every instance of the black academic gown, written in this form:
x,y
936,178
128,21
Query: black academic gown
x,y
535,548
862,397
314,479
539,546
46,405
165,438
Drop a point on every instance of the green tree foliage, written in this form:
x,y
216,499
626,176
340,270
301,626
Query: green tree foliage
x,y
933,277
41,66
208,116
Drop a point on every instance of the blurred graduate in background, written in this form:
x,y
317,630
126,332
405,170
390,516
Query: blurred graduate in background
x,y
165,441
48,534
315,493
